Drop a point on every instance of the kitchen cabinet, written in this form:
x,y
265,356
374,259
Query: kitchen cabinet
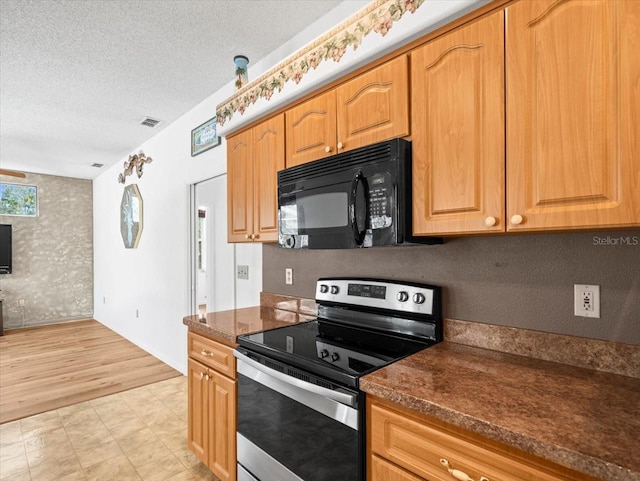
x,y
369,108
573,110
253,160
404,445
457,85
212,405
567,114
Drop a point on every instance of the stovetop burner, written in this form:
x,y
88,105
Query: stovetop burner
x,y
362,325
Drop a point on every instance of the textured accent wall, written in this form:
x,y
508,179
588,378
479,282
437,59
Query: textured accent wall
x,y
523,281
52,255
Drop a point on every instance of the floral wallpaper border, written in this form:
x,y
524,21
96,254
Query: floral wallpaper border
x,y
378,17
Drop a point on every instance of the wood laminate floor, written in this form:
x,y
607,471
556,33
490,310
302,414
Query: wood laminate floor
x,y
49,367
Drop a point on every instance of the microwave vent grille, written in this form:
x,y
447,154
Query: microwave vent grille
x,y
381,152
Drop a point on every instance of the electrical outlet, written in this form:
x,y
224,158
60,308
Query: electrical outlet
x,y
586,300
242,272
288,276
21,302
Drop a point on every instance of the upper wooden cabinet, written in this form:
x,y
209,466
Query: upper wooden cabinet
x,y
367,109
457,87
571,132
573,114
253,160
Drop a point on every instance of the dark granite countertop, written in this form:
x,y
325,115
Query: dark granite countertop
x,y
226,326
580,418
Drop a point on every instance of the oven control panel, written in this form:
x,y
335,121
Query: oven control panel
x,y
390,295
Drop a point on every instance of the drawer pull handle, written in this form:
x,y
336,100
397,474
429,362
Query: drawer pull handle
x,y
456,473
205,353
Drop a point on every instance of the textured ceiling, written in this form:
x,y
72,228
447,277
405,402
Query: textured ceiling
x,y
77,77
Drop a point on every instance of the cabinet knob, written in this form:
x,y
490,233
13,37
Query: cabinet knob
x,y
246,236
256,236
490,221
516,219
201,375
340,145
327,149
207,377
459,475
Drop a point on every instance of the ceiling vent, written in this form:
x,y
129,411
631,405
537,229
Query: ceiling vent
x,y
150,122
97,166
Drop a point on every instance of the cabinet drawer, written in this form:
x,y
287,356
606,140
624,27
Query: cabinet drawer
x,y
422,448
213,354
382,470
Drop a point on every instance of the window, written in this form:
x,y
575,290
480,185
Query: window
x,y
18,199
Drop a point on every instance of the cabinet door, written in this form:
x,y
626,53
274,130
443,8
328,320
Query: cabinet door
x,y
374,106
311,129
198,417
222,426
268,159
573,110
458,130
239,188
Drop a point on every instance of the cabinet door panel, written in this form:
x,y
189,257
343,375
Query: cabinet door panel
x,y
239,187
268,159
458,130
374,106
311,129
222,426
573,107
198,422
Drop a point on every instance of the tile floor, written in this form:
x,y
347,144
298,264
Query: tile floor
x,y
139,434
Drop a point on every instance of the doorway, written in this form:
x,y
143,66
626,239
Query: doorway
x,y
213,258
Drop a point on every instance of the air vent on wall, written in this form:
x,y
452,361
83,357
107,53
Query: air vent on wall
x,y
150,122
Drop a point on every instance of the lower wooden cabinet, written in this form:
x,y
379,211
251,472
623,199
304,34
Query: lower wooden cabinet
x,y
404,445
212,412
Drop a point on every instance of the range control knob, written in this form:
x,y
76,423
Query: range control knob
x,y
335,356
324,288
402,296
324,353
418,298
335,289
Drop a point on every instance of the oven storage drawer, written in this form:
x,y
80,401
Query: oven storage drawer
x,y
213,354
432,452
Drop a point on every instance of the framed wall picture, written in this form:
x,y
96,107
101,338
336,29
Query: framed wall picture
x,y
204,137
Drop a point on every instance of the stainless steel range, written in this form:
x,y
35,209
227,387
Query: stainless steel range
x,y
300,411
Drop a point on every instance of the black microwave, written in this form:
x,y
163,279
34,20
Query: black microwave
x,y
360,198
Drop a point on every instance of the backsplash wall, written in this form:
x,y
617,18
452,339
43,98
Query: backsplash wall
x,y
52,255
523,281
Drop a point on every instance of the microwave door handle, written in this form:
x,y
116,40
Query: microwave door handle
x,y
358,233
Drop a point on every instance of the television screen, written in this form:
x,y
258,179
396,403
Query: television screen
x,y
5,248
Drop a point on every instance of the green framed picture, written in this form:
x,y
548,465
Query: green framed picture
x,y
204,137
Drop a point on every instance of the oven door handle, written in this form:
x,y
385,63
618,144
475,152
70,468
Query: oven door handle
x,y
341,397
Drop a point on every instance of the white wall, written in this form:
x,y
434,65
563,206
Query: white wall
x,y
154,279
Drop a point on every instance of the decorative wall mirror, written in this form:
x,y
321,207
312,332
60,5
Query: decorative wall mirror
x,y
131,216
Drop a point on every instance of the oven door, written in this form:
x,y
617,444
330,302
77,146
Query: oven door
x,y
293,430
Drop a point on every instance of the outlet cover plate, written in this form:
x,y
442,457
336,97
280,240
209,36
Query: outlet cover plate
x,y
586,300
242,272
288,276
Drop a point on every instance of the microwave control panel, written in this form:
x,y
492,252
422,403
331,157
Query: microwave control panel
x,y
380,195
